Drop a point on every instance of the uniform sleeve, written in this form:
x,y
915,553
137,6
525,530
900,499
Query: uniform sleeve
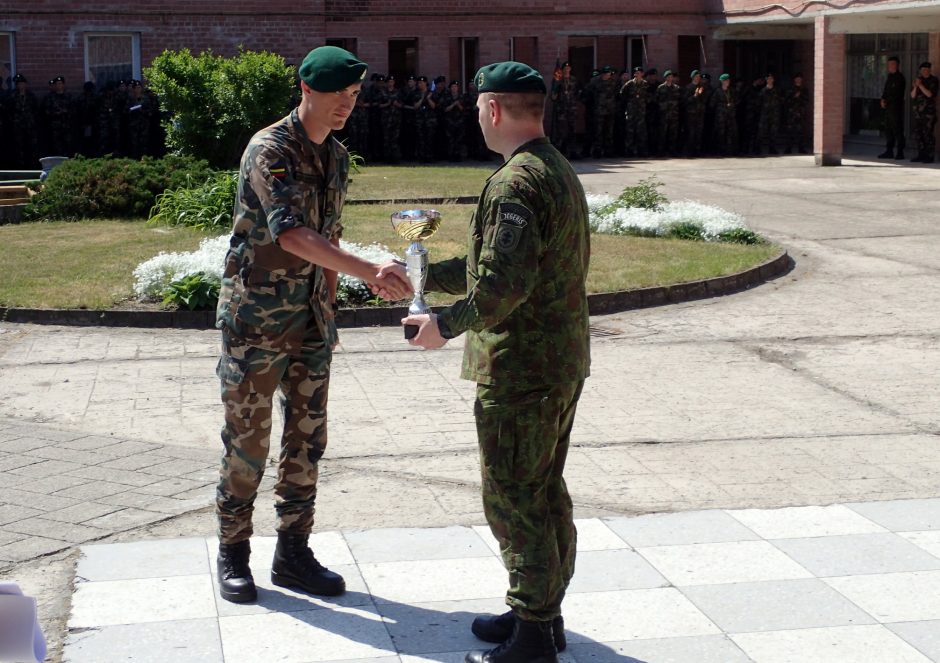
x,y
448,276
508,266
271,177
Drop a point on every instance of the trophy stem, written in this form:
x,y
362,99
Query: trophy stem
x,y
416,262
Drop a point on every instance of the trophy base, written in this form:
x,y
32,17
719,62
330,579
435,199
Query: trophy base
x,y
410,332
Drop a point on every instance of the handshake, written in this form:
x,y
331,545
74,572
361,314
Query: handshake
x,y
391,283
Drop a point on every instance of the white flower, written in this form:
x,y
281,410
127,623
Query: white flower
x,y
639,221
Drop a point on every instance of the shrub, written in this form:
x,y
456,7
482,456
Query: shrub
x,y
196,292
644,195
205,207
90,188
218,103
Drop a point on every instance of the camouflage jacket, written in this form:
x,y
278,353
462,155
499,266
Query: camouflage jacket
x,y
921,104
525,308
636,95
669,97
269,297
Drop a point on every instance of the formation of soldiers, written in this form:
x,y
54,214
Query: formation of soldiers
x,y
642,115
417,120
123,119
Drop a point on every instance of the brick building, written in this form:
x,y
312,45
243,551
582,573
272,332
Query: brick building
x,y
840,51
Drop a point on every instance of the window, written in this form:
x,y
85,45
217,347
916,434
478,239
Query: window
x,y
634,53
525,50
111,57
403,58
469,59
348,43
582,54
7,61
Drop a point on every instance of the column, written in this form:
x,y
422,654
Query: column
x,y
829,94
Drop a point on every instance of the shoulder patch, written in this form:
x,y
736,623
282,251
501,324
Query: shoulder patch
x,y
511,221
514,214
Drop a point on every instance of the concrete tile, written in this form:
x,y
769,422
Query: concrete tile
x,y
929,541
272,598
716,563
633,615
442,580
395,545
302,637
118,521
775,606
701,649
679,528
594,534
143,559
483,531
93,490
858,554
604,570
82,512
30,548
11,513
902,515
805,522
170,486
63,531
140,601
841,644
893,597
924,636
188,641
440,626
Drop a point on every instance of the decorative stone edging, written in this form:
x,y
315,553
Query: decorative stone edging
x,y
599,304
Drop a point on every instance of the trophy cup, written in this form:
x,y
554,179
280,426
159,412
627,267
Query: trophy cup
x,y
415,225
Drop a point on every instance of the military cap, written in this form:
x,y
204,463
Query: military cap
x,y
706,76
924,65
509,77
652,72
695,72
20,78
638,69
331,69
724,77
412,78
58,79
565,64
122,82
668,72
440,79
422,79
134,82
380,79
390,77
374,77
595,72
894,58
457,83
607,69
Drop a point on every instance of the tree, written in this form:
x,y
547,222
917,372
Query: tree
x,y
215,104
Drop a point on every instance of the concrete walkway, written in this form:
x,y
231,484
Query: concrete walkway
x,y
818,388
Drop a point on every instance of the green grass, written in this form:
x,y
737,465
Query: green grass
x,y
89,264
399,182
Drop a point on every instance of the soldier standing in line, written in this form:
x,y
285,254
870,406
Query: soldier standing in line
x,y
358,126
588,96
694,112
892,102
636,95
526,318
137,113
109,122
652,111
476,148
796,108
23,111
439,139
86,121
708,126
620,115
425,122
564,99
389,101
604,98
409,96
276,313
57,119
924,95
750,143
771,103
668,99
453,105
373,94
724,103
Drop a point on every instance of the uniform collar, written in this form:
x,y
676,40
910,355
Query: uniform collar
x,y
298,129
541,140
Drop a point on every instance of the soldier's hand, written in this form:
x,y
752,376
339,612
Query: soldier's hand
x,y
429,334
884,104
391,282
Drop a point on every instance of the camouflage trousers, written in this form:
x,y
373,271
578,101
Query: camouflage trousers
x,y
635,136
923,133
250,376
603,144
523,437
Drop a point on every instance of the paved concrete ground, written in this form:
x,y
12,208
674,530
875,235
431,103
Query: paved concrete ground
x,y
818,388
816,584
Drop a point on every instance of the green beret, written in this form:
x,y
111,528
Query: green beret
x,y
695,72
330,69
724,77
668,72
509,77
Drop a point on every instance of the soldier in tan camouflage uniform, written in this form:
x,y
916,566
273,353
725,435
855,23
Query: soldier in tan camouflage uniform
x,y
277,320
526,318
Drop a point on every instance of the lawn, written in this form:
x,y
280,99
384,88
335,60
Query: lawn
x,y
90,264
410,182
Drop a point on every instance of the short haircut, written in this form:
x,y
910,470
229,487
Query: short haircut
x,y
521,105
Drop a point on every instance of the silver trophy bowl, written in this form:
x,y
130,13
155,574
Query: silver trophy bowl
x,y
416,225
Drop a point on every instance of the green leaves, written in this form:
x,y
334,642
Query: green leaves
x,y
644,195
196,292
204,207
218,103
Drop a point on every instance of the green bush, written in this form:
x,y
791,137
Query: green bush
x,y
645,195
196,292
687,230
218,103
741,236
106,188
204,207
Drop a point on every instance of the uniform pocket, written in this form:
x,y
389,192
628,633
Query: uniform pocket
x,y
517,440
230,370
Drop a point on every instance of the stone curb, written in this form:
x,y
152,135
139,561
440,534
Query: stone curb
x,y
412,203
599,304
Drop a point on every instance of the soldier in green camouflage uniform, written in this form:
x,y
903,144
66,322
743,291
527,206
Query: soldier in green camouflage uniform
x,y
924,92
137,116
389,101
277,319
796,108
694,99
669,98
604,96
724,103
771,105
23,111
564,112
453,104
57,119
636,94
526,317
425,122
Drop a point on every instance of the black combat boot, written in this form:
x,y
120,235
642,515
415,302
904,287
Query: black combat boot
x,y
235,581
530,642
899,155
498,628
295,566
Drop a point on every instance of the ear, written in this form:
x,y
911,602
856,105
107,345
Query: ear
x,y
496,111
304,88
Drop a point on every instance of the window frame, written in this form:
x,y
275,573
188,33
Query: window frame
x,y
135,50
11,35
